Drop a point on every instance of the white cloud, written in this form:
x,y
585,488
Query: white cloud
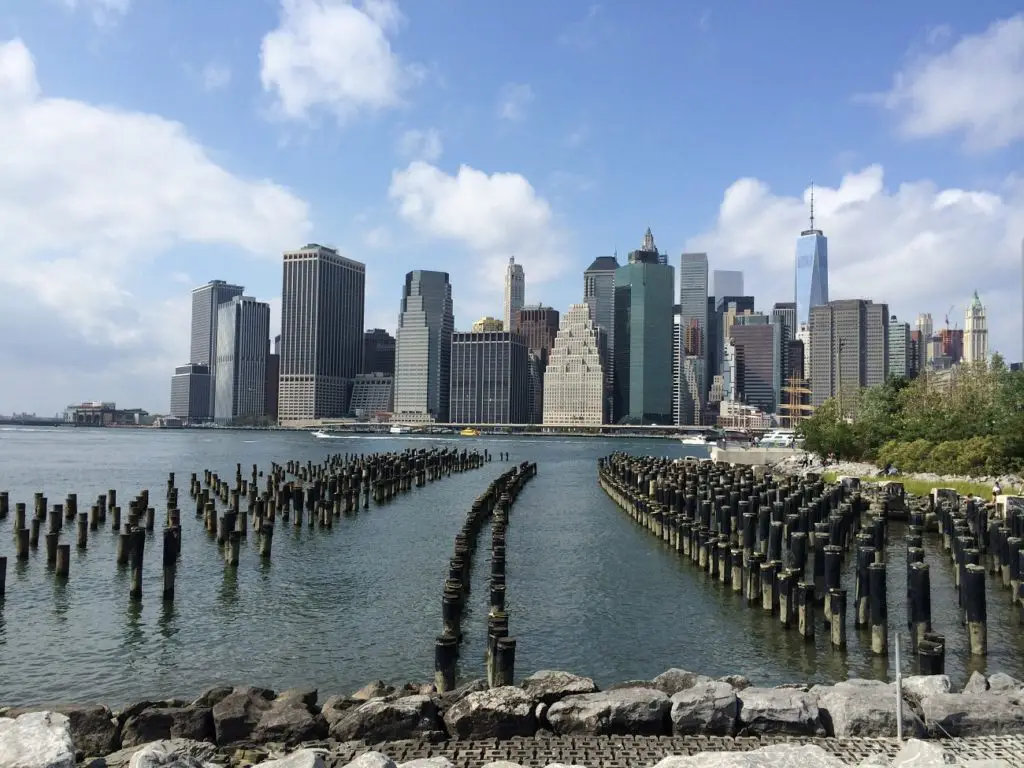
x,y
103,11
514,100
918,247
974,89
421,145
215,76
377,238
93,200
336,56
493,216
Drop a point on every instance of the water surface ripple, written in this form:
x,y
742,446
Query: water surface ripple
x,y
588,590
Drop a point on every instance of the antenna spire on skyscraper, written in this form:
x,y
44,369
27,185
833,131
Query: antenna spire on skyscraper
x,y
812,204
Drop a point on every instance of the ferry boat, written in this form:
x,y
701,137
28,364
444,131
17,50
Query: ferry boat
x,y
397,429
470,432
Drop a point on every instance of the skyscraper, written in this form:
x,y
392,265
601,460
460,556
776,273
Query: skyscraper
x,y
423,347
850,345
758,343
727,282
900,362
378,352
322,300
243,341
515,292
599,295
538,326
927,332
643,337
811,271
489,378
206,300
574,384
693,322
975,332
190,393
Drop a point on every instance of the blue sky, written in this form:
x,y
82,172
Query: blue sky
x,y
151,145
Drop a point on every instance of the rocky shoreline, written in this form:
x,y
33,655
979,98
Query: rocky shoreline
x,y
244,725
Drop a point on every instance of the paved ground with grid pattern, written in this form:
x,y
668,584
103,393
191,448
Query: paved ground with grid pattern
x,y
637,751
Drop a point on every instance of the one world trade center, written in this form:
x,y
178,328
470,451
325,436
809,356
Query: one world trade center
x,y
811,272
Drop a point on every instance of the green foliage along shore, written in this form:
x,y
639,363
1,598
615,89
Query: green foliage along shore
x,y
971,423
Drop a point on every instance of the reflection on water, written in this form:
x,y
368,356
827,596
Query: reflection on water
x,y
588,590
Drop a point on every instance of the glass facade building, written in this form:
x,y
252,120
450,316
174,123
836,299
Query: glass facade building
x,y
811,274
643,337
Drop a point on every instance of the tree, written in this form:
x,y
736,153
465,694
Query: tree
x,y
826,431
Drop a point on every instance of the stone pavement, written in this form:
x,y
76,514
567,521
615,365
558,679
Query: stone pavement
x,y
642,751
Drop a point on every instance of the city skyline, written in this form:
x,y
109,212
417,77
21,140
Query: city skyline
x,y
218,157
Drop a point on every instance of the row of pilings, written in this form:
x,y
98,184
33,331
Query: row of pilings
x,y
780,543
494,504
294,491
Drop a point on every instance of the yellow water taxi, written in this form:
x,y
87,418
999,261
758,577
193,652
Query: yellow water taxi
x,y
470,432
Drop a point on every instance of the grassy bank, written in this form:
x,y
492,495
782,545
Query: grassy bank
x,y
924,487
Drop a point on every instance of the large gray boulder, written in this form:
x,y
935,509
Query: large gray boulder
x,y
337,708
774,756
382,720
290,721
707,708
674,680
785,711
549,686
173,753
164,723
638,711
93,727
919,754
1000,682
976,683
917,687
429,762
973,714
378,689
498,713
372,760
36,740
236,716
865,708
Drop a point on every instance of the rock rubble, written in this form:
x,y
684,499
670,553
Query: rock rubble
x,y
260,725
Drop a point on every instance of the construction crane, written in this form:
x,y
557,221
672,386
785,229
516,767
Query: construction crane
x,y
951,308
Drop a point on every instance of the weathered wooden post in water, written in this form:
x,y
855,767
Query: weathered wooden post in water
x,y
446,650
137,544
63,566
3,571
837,623
83,530
170,556
977,616
879,609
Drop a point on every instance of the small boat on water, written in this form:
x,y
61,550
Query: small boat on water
x,y
321,435
697,440
398,429
470,432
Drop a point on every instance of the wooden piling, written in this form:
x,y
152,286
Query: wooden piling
x,y
137,545
920,608
446,649
3,573
837,624
878,609
21,543
805,610
505,660
63,566
83,530
977,617
170,556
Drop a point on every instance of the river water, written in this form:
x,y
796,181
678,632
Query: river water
x,y
588,590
